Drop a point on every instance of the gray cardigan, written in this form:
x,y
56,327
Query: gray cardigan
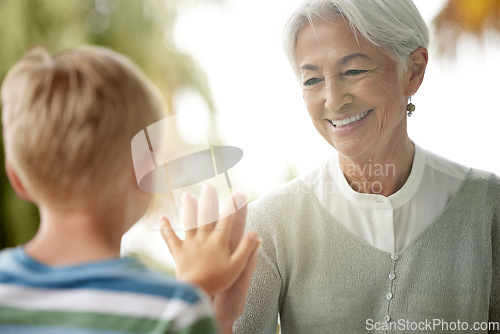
x,y
321,278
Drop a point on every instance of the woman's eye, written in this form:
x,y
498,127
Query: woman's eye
x,y
311,82
352,73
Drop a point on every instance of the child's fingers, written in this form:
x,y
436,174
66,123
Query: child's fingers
x,y
252,261
244,251
230,206
225,223
168,234
208,211
239,221
233,223
189,212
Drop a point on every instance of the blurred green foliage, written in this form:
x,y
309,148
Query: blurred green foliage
x,y
140,29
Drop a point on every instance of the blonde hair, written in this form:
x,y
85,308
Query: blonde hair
x,y
69,120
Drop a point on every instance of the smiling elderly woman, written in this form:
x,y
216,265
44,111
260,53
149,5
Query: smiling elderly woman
x,y
385,235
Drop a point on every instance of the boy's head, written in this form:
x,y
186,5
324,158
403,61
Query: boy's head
x,y
68,121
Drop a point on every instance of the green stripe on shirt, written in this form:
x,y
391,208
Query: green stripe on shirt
x,y
105,321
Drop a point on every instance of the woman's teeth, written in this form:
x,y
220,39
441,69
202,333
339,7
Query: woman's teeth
x,y
349,120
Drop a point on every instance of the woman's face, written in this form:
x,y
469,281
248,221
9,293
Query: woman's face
x,y
351,89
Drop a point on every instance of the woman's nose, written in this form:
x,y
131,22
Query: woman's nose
x,y
337,95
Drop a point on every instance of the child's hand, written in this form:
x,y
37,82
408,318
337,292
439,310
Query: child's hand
x,y
204,258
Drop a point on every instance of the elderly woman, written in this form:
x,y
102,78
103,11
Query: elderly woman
x,y
386,235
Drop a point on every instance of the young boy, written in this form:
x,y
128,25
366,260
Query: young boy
x,y
68,121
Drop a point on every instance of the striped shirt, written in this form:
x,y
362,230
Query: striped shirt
x,y
107,297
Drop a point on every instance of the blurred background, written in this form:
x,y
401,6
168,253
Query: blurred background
x,y
222,71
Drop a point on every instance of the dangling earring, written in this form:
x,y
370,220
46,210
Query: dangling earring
x,y
410,108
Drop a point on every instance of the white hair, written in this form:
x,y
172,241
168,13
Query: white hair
x,y
395,26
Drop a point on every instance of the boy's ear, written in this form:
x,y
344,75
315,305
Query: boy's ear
x,y
417,65
15,182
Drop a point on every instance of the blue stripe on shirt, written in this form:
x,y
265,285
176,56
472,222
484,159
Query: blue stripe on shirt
x,y
110,275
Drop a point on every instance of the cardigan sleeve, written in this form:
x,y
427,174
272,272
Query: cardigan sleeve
x,y
494,199
262,306
494,316
265,216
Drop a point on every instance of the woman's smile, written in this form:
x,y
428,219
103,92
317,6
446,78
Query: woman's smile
x,y
349,123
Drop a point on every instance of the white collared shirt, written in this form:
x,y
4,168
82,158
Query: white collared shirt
x,y
389,223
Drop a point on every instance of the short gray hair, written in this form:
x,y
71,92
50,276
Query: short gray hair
x,y
395,26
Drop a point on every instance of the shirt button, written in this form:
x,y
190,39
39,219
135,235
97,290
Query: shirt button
x,y
389,295
392,276
387,318
394,256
